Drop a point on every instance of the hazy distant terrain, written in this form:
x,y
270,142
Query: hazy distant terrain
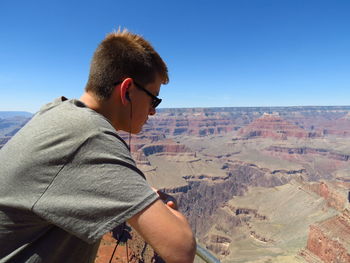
x,y
11,114
10,123
257,184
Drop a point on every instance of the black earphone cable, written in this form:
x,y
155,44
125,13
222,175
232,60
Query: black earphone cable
x,y
124,225
130,125
115,248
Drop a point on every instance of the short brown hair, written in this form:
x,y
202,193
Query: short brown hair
x,y
123,54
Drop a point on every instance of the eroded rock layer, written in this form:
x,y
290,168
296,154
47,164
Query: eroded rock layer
x,y
330,240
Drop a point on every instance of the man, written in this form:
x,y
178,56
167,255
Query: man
x,y
67,178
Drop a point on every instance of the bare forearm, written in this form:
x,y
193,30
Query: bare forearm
x,y
167,231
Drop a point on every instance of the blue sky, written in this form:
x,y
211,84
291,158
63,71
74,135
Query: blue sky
x,y
219,53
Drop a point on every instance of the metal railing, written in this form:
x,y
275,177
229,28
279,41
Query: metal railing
x,y
205,255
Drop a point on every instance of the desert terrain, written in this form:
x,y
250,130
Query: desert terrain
x,y
259,184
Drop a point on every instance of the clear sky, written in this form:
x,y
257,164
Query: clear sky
x,y
219,53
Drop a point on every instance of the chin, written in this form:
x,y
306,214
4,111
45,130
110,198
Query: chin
x,y
136,131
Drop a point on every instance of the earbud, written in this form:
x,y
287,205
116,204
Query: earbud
x,y
127,96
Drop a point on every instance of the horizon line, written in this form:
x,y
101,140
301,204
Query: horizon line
x,y
220,107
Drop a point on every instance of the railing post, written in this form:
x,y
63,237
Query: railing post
x,y
206,255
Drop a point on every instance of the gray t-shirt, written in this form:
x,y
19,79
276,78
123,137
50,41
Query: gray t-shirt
x,y
66,178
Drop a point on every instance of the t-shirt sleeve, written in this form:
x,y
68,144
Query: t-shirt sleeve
x,y
96,190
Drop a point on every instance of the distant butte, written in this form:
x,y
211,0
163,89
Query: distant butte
x,y
274,126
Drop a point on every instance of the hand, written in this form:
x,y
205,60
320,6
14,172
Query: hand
x,y
167,199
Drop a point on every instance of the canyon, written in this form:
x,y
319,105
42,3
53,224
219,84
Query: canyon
x,y
11,123
258,184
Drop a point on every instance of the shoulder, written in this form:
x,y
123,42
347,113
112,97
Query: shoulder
x,y
64,126
71,117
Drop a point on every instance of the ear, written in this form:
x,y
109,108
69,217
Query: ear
x,y
124,90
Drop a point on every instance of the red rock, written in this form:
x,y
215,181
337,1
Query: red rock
x,y
334,198
330,239
273,126
106,249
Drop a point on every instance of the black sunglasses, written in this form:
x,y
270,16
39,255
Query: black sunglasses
x,y
155,100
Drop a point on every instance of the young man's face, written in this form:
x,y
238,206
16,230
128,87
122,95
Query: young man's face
x,y
142,104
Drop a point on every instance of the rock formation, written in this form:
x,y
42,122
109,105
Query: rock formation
x,y
329,240
314,151
273,126
334,197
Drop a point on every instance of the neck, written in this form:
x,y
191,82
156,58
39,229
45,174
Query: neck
x,y
103,107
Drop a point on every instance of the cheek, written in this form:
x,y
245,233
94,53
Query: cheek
x,y
141,113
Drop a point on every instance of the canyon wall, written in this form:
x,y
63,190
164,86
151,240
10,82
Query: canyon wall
x,y
330,240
